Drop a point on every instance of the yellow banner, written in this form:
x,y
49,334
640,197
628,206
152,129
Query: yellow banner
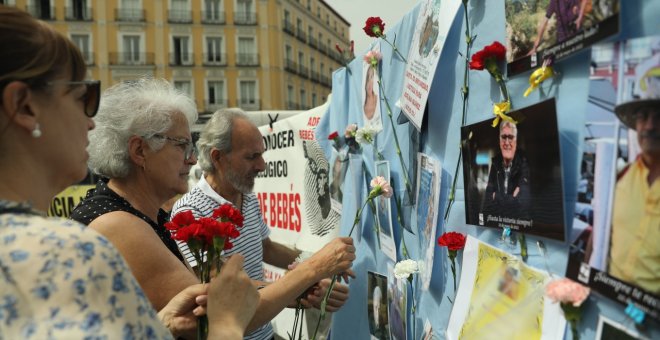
x,y
64,202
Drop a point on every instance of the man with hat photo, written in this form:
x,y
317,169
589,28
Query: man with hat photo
x,y
634,255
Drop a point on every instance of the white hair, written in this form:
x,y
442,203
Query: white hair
x,y
143,107
510,125
217,134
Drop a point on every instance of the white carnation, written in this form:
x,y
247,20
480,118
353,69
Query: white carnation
x,y
365,135
405,268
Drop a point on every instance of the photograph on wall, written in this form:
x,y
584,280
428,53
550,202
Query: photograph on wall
x,y
615,235
339,167
397,299
500,297
611,330
428,196
371,110
541,29
512,172
384,214
431,29
379,326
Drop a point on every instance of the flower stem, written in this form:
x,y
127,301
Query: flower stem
x,y
396,138
357,217
574,330
465,91
396,50
324,303
453,273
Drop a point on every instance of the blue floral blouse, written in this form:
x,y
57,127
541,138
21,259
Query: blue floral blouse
x,y
60,280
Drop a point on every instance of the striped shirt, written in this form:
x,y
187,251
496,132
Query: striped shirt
x,y
201,200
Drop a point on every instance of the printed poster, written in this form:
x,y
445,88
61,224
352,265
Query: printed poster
x,y
433,23
294,191
427,203
379,325
384,214
615,235
539,29
512,173
500,297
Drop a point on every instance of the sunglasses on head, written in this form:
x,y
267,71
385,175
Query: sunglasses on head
x,y
92,96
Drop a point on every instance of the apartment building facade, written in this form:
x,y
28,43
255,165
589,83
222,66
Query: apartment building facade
x,y
252,54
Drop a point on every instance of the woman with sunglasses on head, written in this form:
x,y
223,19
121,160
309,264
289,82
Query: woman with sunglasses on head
x,y
58,278
143,150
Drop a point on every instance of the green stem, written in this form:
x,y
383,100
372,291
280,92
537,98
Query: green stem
x,y
396,138
453,273
357,217
396,50
324,303
523,246
465,91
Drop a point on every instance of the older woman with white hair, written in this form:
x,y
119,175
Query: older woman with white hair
x,y
143,148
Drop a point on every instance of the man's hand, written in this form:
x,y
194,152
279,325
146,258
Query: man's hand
x,y
337,297
334,258
516,191
232,301
180,314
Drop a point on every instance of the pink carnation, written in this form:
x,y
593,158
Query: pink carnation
x,y
380,187
372,58
350,131
567,291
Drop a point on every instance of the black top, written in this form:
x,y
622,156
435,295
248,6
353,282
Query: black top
x,y
102,200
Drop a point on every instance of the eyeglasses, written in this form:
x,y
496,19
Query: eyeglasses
x,y
92,96
643,114
509,137
187,145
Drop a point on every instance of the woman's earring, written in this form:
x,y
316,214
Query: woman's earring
x,y
36,132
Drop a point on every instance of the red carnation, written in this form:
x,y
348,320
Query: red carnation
x,y
333,135
452,240
183,218
490,54
374,27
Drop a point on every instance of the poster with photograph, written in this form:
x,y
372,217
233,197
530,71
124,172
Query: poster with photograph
x,y
379,326
397,299
428,196
371,111
384,214
431,29
539,29
339,163
500,297
611,330
614,242
512,172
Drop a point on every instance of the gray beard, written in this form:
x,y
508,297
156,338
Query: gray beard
x,y
240,183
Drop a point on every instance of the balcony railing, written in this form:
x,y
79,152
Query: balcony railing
x,y
179,16
291,66
130,59
288,28
315,77
181,59
312,41
218,103
292,106
245,18
301,35
78,13
130,14
215,59
42,12
211,17
249,104
247,59
303,71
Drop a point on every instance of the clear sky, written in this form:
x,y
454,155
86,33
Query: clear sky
x,y
357,11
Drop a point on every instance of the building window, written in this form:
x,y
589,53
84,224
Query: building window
x,y
184,86
131,44
78,10
130,10
82,42
180,11
248,92
214,55
42,9
290,103
303,99
180,51
246,52
244,14
314,103
213,12
216,95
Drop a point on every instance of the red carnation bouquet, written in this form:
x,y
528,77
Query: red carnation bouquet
x,y
207,238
